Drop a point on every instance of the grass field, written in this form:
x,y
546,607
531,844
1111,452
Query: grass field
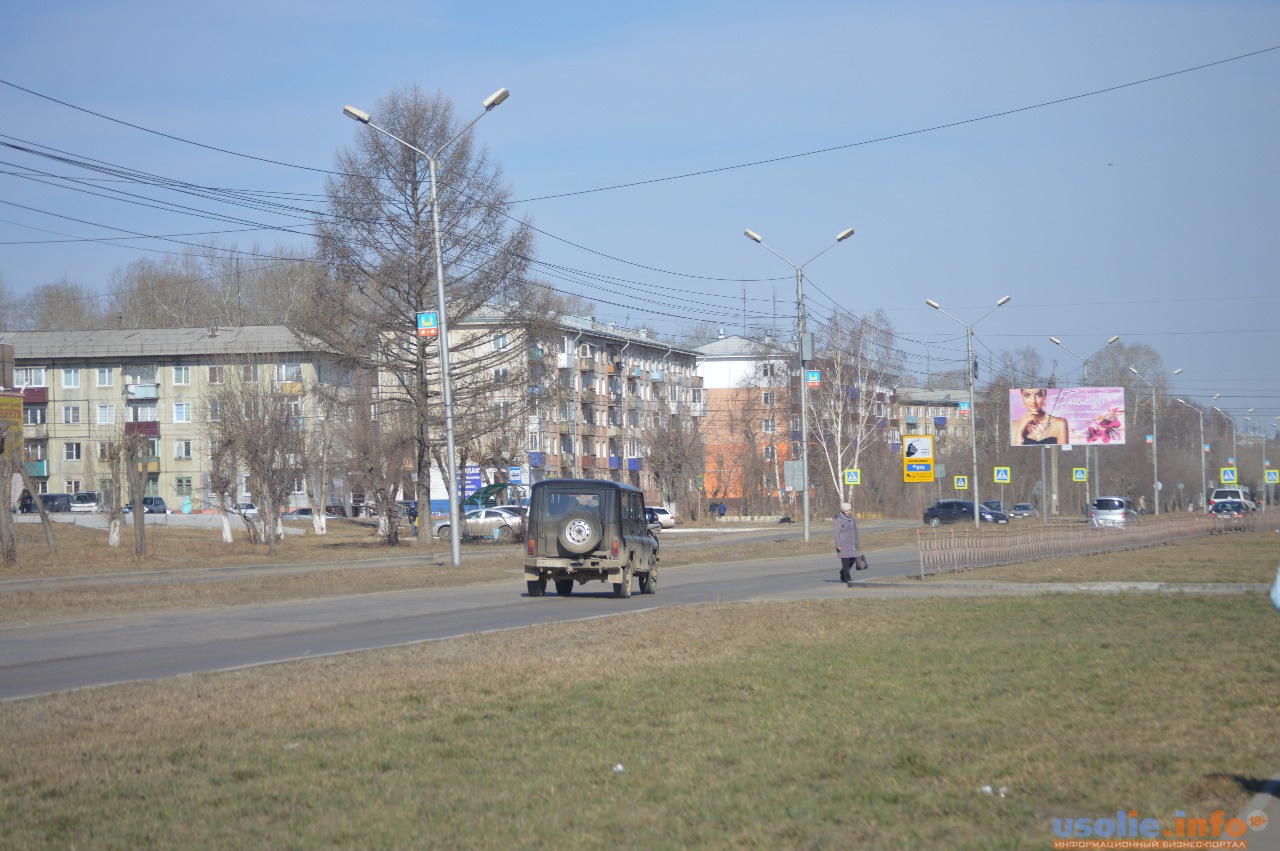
x,y
832,724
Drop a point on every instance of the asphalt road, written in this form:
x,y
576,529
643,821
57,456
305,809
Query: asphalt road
x,y
61,656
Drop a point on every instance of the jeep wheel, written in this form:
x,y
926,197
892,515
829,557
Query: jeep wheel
x,y
622,588
649,581
564,587
580,532
538,587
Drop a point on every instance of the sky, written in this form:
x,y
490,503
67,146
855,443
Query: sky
x,y
978,149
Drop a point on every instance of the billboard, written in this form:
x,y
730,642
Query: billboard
x,y
1075,416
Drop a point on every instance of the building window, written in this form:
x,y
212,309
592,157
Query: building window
x,y
795,423
71,414
106,415
770,454
103,448
153,447
182,375
73,486
145,413
768,398
106,376
769,426
32,376
768,370
71,378
288,372
71,451
182,450
217,374
500,342
501,375
34,415
182,486
33,450
182,412
294,406
249,372
215,412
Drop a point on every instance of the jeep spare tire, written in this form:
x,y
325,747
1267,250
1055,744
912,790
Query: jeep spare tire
x,y
580,532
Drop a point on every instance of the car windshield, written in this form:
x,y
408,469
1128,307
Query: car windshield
x,y
1023,506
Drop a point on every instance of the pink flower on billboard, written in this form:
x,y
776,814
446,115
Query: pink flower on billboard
x,y
1077,416
1108,428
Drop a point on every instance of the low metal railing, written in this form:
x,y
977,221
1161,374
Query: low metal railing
x,y
956,548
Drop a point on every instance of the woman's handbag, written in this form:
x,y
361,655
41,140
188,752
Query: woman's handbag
x,y
860,561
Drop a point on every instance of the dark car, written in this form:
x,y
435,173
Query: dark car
x,y
1229,513
150,505
580,530
958,510
56,503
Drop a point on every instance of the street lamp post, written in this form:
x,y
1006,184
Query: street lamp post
x,y
1097,461
1155,439
1263,430
1231,420
805,348
973,413
1204,482
455,513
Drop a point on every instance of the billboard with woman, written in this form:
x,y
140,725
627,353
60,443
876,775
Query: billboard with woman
x,y
1076,416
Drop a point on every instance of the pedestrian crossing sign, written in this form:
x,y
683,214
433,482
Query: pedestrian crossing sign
x,y
962,483
1228,476
1079,474
1002,475
853,476
1273,477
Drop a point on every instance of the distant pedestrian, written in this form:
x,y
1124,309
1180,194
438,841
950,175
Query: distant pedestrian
x,y
720,509
846,536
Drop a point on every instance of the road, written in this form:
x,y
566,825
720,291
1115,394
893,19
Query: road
x,y
56,657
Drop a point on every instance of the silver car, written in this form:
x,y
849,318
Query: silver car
x,y
495,523
1112,511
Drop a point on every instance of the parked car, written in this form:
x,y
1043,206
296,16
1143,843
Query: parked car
x,y
995,505
85,501
483,523
665,518
1232,495
953,510
247,509
652,520
584,530
56,503
1112,511
1023,509
298,514
150,505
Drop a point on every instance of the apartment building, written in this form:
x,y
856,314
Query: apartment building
x,y
83,389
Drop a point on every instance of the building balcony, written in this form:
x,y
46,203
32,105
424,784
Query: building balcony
x,y
615,463
657,375
588,462
150,428
37,468
587,430
615,399
564,427
588,397
142,391
634,464
36,432
35,396
695,381
634,404
697,409
536,459
586,364
149,463
289,388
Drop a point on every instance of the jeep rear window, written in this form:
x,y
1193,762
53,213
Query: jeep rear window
x,y
1108,504
563,503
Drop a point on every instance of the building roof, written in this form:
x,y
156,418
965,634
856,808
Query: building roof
x,y
932,397
735,346
155,342
489,315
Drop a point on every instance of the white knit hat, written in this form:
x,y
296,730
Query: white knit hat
x,y
844,506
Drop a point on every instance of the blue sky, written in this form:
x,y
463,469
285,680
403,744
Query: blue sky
x,y
1148,212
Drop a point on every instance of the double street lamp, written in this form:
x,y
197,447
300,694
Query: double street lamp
x,y
973,413
1155,439
806,353
1084,379
1204,482
455,513
1263,429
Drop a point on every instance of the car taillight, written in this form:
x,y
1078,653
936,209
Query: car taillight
x,y
613,549
531,550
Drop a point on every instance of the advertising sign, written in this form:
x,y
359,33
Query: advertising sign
x,y
428,325
11,417
917,458
1066,416
812,377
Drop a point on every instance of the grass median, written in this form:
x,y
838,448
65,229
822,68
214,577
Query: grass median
x,y
817,724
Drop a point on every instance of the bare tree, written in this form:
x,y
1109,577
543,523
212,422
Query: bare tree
x,y
375,239
675,452
60,306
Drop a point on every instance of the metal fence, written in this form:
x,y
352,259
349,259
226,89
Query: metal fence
x,y
956,548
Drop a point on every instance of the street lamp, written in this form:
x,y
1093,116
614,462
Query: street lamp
x,y
805,346
1204,482
1231,420
1262,429
1155,439
973,414
455,514
1084,379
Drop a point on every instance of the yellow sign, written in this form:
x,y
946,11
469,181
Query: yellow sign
x,y
962,483
11,423
1079,474
1002,476
1228,476
853,476
917,458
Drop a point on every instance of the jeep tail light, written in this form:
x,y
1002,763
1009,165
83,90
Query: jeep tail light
x,y
531,550
613,549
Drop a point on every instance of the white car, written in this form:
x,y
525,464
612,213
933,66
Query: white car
x,y
248,509
665,518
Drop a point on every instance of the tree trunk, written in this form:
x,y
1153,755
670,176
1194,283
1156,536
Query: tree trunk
x,y
39,503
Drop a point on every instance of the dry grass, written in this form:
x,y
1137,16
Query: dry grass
x,y
839,724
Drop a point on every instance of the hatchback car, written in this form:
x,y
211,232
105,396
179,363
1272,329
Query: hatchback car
x,y
1112,512
1023,509
955,510
248,509
665,518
